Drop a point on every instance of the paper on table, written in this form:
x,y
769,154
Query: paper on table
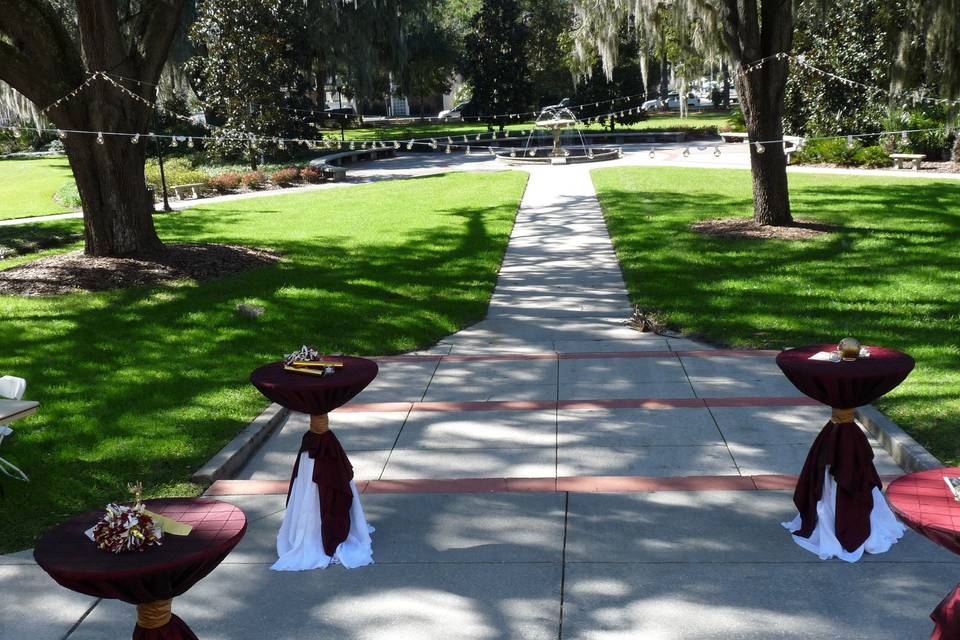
x,y
822,355
169,525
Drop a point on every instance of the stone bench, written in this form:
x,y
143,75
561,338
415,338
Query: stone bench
x,y
733,136
356,155
190,189
333,173
914,158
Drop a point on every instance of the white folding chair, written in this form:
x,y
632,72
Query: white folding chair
x,y
12,388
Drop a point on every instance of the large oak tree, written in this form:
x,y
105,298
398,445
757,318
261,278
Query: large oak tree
x,y
752,31
48,49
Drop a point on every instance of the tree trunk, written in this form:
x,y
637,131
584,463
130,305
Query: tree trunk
x,y
118,219
725,71
664,73
761,98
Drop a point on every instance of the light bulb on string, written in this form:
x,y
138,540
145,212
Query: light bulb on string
x,y
478,136
652,154
396,145
173,141
533,152
353,145
468,150
433,143
447,150
759,147
62,134
410,145
100,137
492,152
716,152
849,142
686,152
513,153
135,139
190,143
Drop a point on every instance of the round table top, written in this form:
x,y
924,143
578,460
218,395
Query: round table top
x,y
845,384
66,553
314,394
925,503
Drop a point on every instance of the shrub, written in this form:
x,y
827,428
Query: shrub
x,y
68,196
875,157
833,150
311,174
177,171
224,182
934,144
285,177
254,180
736,122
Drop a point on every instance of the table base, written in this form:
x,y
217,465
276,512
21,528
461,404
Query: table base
x,y
885,529
174,629
300,544
946,617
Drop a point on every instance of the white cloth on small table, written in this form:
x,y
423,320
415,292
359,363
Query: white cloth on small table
x,y
885,529
299,542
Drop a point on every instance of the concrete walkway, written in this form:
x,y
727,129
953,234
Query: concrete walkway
x,y
548,473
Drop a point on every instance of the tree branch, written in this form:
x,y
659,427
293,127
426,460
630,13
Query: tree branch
x,y
39,58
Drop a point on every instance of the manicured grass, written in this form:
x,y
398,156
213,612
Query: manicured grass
x,y
146,384
666,122
27,186
890,277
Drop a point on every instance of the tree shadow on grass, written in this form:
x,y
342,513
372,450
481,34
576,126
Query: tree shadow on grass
x,y
891,276
147,383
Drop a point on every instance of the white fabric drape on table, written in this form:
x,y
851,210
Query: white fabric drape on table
x,y
12,387
885,529
299,543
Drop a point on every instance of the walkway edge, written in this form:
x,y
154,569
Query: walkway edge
x,y
232,457
906,451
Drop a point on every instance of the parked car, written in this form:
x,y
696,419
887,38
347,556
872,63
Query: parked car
x,y
455,113
652,105
673,100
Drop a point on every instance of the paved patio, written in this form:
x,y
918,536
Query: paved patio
x,y
548,473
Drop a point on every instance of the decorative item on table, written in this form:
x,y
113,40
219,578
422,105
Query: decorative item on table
x,y
311,362
849,349
126,528
953,483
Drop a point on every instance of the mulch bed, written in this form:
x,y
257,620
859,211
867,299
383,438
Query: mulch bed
x,y
739,228
72,272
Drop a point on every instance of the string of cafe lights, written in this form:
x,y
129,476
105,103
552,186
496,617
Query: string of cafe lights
x,y
433,143
501,116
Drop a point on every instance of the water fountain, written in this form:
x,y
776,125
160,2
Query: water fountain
x,y
558,120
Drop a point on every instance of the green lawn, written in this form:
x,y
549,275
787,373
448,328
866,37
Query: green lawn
x,y
891,277
27,186
418,130
146,384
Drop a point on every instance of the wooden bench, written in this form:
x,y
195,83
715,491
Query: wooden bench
x,y
914,158
733,136
191,189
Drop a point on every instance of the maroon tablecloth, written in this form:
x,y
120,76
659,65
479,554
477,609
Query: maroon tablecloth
x,y
312,394
156,573
332,472
925,503
841,445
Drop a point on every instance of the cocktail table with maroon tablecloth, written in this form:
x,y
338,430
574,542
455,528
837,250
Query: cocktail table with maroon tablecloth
x,y
924,502
842,512
150,578
324,521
